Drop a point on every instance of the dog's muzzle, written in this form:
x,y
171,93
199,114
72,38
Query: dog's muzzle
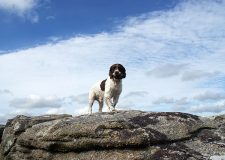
x,y
118,75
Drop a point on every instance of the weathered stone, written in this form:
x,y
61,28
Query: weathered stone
x,y
114,135
2,127
170,152
210,142
14,127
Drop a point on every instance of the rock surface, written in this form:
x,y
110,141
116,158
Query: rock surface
x,y
130,135
1,131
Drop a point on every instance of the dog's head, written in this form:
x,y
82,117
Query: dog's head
x,y
117,71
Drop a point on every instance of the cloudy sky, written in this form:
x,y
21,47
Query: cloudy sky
x,y
52,52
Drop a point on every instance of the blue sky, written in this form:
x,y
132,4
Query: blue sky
x,y
52,52
47,20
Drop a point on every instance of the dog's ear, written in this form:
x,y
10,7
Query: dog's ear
x,y
111,70
123,70
124,74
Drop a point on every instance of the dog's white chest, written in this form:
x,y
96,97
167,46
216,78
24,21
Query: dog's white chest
x,y
113,88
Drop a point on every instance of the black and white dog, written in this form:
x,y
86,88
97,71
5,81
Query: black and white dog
x,y
109,89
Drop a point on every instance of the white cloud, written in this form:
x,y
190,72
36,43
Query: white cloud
x,y
80,99
54,38
3,118
164,100
182,102
168,100
198,74
217,107
22,8
210,96
5,92
60,110
161,42
35,101
82,111
136,94
12,114
167,70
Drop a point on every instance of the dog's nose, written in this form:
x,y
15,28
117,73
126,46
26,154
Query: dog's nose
x,y
117,72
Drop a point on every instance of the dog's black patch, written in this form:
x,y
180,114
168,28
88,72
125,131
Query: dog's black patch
x,y
102,85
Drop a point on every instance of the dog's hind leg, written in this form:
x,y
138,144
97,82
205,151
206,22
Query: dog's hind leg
x,y
101,103
91,101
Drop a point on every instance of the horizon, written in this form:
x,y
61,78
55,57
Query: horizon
x,y
51,53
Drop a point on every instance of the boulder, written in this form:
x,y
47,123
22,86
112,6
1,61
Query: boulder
x,y
2,127
114,135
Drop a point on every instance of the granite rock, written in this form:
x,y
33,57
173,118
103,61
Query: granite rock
x,y
114,135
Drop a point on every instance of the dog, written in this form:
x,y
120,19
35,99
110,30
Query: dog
x,y
109,89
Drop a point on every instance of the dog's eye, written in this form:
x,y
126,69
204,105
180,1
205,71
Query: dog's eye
x,y
121,69
112,68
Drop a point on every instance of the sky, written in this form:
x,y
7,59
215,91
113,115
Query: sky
x,y
52,52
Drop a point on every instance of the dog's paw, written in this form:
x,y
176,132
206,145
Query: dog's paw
x,y
89,113
112,109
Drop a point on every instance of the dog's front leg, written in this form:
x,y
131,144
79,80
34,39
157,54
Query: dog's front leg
x,y
116,97
115,100
109,103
